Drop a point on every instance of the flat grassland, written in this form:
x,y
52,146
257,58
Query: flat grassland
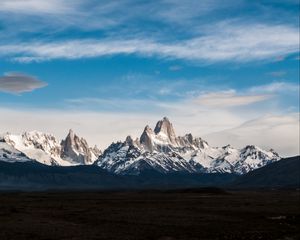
x,y
180,214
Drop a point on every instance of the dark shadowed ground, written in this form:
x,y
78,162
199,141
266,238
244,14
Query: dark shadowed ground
x,y
178,214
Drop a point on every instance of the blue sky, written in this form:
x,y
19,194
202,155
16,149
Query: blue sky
x,y
211,67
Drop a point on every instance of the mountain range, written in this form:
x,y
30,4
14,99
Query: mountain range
x,y
159,150
46,149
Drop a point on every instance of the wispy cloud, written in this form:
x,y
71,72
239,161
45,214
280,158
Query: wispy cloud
x,y
229,99
18,83
35,6
53,18
144,86
243,43
185,30
280,132
182,12
117,105
181,97
276,87
91,14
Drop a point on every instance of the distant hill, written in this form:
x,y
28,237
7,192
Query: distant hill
x,y
32,175
35,176
282,174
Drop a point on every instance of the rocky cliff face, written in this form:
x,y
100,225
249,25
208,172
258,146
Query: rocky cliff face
x,y
146,139
165,132
77,149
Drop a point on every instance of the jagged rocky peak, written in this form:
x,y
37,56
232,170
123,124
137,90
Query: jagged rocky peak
x,y
274,152
39,140
257,153
70,133
164,129
146,139
189,141
148,129
96,151
71,140
186,140
200,143
129,141
36,136
250,149
190,138
164,135
77,149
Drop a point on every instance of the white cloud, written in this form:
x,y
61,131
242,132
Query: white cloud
x,y
276,87
229,99
115,104
225,43
281,133
19,83
90,14
35,6
180,12
53,17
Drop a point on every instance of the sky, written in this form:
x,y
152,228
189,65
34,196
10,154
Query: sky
x,y
226,71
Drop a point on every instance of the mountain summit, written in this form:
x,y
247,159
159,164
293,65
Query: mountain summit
x,y
77,149
162,151
164,130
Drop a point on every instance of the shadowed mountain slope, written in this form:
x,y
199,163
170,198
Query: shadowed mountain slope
x,y
284,173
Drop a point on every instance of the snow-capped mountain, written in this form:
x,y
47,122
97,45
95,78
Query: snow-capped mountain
x,y
10,154
77,150
46,149
161,150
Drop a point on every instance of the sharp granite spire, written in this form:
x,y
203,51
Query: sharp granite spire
x,y
77,149
146,138
164,129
